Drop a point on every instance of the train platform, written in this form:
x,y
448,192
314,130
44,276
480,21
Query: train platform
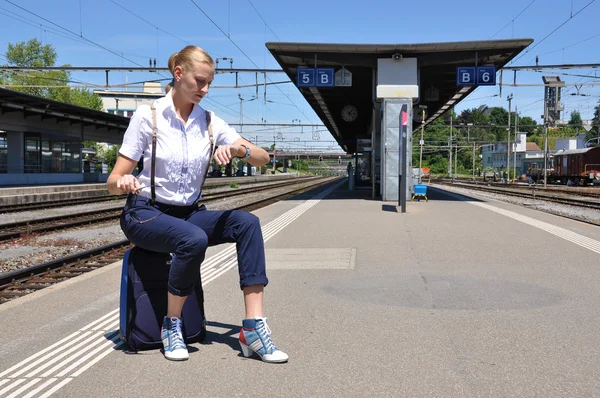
x,y
458,297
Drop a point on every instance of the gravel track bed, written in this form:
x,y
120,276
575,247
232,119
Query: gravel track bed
x,y
7,218
576,212
59,211
31,250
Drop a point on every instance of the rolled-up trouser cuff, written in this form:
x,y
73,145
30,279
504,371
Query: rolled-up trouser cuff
x,y
180,292
254,280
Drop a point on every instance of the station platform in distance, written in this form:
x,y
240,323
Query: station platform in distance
x,y
457,297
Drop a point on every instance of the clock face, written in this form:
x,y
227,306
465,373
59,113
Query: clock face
x,y
349,113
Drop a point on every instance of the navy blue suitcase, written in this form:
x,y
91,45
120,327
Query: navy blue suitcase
x,y
143,302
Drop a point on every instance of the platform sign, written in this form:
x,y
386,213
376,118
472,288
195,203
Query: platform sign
x,y
486,76
476,76
325,77
343,78
465,76
319,77
306,77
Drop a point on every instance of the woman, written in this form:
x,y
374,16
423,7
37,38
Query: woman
x,y
174,223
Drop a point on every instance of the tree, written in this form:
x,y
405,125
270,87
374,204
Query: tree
x,y
110,156
596,120
575,121
527,125
595,130
499,118
34,54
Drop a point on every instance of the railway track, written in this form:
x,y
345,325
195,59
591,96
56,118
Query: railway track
x,y
210,183
24,281
571,199
49,204
40,225
591,191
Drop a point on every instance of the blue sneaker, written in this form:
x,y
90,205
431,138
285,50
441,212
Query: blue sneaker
x,y
255,336
175,348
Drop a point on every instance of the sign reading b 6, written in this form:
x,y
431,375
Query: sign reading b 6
x,y
476,76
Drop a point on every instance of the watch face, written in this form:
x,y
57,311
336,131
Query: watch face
x,y
349,113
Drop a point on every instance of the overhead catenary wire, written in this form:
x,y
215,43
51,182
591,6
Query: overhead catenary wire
x,y
513,20
242,51
553,31
73,33
265,22
149,23
571,45
23,20
82,83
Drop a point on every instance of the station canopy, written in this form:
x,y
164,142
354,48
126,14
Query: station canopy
x,y
97,125
437,67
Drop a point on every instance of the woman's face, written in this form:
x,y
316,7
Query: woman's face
x,y
194,83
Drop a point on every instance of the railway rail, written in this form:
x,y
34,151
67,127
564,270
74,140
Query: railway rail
x,y
24,281
105,197
40,225
562,197
591,191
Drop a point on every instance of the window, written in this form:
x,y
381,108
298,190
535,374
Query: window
x,y
61,157
121,112
32,160
3,152
46,157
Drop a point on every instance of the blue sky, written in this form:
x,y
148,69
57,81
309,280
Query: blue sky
x,y
105,23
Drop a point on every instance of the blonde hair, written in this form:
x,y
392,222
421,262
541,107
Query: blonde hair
x,y
187,57
169,86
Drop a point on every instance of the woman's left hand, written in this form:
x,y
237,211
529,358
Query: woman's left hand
x,y
224,153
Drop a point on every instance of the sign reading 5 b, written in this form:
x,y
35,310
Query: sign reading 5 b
x,y
319,77
476,76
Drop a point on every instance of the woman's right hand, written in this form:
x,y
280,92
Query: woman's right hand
x,y
128,184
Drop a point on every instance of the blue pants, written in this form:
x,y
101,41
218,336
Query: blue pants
x,y
187,231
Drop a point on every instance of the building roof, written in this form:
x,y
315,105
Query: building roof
x,y
575,151
129,94
437,63
104,124
532,146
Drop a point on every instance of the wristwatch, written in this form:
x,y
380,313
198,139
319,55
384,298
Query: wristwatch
x,y
247,155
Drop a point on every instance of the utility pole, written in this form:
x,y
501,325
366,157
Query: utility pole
x,y
450,145
545,141
509,99
241,112
515,148
469,131
455,157
473,161
421,142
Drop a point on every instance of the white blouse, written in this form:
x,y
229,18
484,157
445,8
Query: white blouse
x,y
182,151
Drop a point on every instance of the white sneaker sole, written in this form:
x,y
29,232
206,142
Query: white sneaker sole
x,y
247,352
177,358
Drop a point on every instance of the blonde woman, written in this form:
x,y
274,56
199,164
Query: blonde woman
x,y
163,213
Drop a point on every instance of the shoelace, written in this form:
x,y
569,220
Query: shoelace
x,y
265,333
176,335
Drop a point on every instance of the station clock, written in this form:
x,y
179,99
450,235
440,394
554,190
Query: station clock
x,y
349,113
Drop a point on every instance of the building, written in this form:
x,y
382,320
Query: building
x,y
41,140
371,96
529,156
571,143
523,155
124,103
